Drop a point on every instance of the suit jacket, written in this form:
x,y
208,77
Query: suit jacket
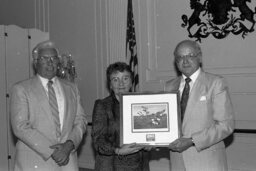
x,y
208,120
106,137
33,125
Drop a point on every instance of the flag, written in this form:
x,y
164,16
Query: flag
x,y
131,47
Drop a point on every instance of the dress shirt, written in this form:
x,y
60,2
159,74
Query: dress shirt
x,y
59,95
193,78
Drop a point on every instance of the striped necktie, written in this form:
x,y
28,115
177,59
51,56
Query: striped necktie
x,y
54,107
184,97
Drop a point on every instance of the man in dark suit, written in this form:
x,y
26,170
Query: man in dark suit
x,y
46,116
206,114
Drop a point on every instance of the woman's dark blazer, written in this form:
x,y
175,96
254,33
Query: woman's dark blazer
x,y
106,137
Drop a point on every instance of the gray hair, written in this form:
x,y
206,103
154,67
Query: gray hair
x,y
48,44
190,43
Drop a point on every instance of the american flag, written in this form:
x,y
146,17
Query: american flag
x,y
131,47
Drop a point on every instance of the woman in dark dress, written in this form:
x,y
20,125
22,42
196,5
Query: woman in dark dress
x,y
105,130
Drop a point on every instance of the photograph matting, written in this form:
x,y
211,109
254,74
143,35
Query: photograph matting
x,y
149,118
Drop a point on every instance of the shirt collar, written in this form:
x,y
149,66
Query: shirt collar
x,y
194,76
45,80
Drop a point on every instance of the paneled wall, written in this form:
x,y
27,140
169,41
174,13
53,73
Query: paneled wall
x,y
159,28
16,45
3,103
232,57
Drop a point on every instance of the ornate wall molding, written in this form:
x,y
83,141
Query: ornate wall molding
x,y
42,12
110,25
231,71
116,29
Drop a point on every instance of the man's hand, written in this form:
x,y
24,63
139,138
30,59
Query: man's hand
x,y
61,152
181,144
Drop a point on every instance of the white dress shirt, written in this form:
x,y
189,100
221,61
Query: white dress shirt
x,y
59,95
193,78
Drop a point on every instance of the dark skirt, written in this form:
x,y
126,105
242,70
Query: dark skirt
x,y
132,162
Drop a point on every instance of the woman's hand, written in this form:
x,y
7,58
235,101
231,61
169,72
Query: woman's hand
x,y
148,147
128,149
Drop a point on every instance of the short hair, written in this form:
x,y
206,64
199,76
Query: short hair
x,y
191,43
115,67
48,44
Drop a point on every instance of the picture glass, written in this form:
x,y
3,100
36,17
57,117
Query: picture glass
x,y
149,118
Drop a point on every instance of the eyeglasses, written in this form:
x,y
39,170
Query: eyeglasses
x,y
189,57
124,80
53,59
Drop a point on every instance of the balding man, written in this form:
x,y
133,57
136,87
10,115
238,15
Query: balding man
x,y
46,116
206,113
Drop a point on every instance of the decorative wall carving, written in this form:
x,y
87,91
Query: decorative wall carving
x,y
219,18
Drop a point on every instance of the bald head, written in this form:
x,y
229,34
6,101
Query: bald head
x,y
44,46
188,46
46,59
188,57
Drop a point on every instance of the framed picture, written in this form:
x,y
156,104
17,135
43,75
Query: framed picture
x,y
149,118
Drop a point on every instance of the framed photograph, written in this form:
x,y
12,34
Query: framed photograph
x,y
149,118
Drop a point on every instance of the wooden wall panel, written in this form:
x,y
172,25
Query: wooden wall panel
x,y
17,68
17,54
3,102
16,44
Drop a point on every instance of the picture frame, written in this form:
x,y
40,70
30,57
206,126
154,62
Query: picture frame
x,y
149,118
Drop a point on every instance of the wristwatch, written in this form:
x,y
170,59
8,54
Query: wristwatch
x,y
193,144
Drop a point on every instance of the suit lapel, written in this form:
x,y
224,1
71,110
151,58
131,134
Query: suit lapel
x,y
197,91
41,96
173,85
67,100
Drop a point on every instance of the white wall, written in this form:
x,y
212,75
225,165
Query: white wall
x,y
159,29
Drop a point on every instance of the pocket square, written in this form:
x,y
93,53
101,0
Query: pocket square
x,y
202,98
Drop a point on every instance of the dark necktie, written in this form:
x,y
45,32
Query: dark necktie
x,y
54,107
184,98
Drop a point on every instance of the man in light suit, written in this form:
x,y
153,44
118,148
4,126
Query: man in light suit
x,y
43,143
208,115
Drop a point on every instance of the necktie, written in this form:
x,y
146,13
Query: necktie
x,y
184,97
54,107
